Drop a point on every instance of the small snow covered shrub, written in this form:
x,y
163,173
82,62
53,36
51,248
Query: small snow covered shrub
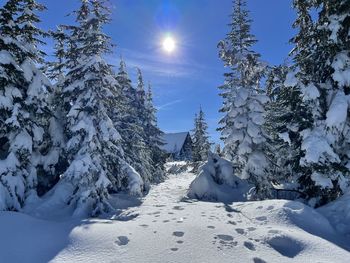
x,y
134,180
216,182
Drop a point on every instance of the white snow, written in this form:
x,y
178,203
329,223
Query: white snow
x,y
341,66
322,181
310,92
291,79
135,182
216,182
338,111
285,137
338,213
317,148
165,227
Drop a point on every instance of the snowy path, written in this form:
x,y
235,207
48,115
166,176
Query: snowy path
x,y
166,229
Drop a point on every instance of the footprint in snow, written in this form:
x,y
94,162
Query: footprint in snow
x,y
249,245
240,231
259,260
174,249
286,246
261,218
166,221
211,227
178,233
178,208
144,225
251,229
225,237
225,241
122,241
179,242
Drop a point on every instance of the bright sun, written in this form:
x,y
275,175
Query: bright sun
x,y
169,44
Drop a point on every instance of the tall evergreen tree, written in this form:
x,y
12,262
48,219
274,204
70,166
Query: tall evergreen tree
x,y
93,144
244,101
286,117
132,125
154,137
24,105
200,138
323,62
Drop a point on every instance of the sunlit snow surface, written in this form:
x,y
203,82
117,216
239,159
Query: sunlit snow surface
x,y
166,227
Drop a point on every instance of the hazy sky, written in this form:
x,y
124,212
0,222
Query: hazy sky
x,y
189,77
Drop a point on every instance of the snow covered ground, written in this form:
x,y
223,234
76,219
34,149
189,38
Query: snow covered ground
x,y
166,227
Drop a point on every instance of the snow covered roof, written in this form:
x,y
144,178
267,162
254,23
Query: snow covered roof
x,y
174,141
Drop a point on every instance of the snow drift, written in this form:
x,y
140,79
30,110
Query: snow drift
x,y
216,182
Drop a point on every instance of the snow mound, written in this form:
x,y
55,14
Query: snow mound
x,y
216,182
293,226
338,214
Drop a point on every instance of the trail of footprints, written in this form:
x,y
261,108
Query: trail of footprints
x,y
178,234
222,241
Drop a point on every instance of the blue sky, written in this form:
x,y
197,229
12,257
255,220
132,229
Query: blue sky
x,y
190,76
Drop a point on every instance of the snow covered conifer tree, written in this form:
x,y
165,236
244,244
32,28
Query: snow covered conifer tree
x,y
286,116
55,69
24,105
131,125
200,138
154,136
244,101
324,83
93,147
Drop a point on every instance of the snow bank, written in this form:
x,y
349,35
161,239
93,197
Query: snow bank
x,y
216,182
338,214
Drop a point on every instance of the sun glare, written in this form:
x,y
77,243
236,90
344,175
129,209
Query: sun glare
x,y
169,44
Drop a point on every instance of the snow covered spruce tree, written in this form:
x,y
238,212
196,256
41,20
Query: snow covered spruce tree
x,y
200,138
154,137
93,148
131,125
322,76
24,106
244,101
55,68
286,116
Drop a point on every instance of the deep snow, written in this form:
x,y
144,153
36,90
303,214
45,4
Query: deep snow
x,y
166,227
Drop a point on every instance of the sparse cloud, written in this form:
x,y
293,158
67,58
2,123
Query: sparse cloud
x,y
159,65
168,104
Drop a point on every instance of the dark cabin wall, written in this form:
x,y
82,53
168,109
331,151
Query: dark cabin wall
x,y
186,151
